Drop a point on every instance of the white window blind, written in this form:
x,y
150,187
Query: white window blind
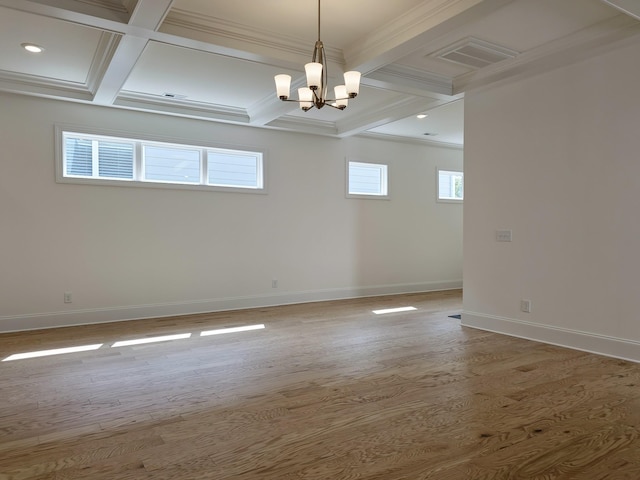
x,y
115,160
96,158
78,154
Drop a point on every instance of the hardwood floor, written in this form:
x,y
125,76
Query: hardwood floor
x,y
324,391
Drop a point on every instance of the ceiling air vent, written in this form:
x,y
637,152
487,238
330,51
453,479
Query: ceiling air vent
x,y
175,96
429,134
474,53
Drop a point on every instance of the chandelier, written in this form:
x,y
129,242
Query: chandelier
x,y
315,93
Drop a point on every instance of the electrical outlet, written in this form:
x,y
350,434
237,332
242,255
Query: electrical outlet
x,y
525,306
67,297
503,235
274,283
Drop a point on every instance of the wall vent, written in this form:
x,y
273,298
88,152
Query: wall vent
x,y
474,53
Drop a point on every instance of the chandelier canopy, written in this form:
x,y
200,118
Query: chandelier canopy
x,y
315,93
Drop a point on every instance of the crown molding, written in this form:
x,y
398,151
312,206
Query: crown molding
x,y
102,57
413,78
106,9
244,38
114,5
585,43
183,108
413,140
129,5
43,86
629,7
304,125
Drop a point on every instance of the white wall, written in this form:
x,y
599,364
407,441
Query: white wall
x,y
138,252
555,159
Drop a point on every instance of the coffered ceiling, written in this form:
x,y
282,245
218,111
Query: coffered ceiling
x,y
216,59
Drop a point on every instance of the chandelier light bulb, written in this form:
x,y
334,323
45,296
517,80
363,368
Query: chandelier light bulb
x,y
305,97
341,97
352,82
314,75
283,86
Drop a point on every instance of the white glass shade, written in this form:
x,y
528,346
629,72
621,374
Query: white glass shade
x,y
305,95
314,75
341,96
352,82
283,85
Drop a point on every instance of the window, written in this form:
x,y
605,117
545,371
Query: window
x,y
450,186
98,158
232,168
171,164
90,158
367,179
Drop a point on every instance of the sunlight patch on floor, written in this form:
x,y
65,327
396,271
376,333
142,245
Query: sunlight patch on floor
x,y
127,343
55,351
394,310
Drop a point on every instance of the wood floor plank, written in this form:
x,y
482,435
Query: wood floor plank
x,y
327,390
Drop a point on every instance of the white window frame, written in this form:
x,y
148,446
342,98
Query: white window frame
x,y
384,178
139,140
448,199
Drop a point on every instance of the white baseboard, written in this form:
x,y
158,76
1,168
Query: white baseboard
x,y
575,339
13,323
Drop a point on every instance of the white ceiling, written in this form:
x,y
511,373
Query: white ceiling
x,y
219,56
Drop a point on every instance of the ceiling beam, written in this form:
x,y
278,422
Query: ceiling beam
x,y
148,15
182,108
118,69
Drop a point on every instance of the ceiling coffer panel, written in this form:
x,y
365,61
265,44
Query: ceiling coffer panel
x,y
475,53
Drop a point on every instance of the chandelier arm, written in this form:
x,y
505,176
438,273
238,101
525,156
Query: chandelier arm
x,y
316,98
314,104
326,99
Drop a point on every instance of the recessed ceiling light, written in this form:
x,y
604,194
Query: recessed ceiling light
x,y
422,115
32,47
